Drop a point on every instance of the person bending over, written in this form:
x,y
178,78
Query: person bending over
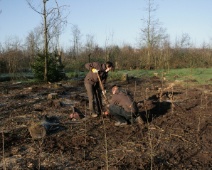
x,y
92,85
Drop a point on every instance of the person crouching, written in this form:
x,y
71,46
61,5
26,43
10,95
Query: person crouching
x,y
122,107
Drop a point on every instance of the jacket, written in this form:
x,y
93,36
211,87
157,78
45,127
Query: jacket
x,y
123,100
91,78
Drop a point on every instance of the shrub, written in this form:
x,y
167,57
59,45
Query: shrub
x,y
54,67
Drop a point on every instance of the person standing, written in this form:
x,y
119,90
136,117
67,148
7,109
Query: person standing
x,y
92,84
122,107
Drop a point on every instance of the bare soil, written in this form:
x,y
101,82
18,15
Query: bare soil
x,y
175,134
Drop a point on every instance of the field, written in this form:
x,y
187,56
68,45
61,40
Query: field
x,y
175,134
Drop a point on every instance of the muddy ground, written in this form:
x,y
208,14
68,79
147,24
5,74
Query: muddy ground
x,y
175,134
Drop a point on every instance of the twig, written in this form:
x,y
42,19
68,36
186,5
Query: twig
x,y
133,104
85,124
106,146
4,163
183,139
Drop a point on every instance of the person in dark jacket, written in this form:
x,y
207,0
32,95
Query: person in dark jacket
x,y
92,85
122,107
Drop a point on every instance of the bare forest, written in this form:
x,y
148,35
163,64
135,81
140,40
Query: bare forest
x,y
16,60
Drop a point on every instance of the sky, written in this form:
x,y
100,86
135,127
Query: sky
x,y
115,22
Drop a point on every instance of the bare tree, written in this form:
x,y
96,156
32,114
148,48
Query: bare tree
x,y
76,41
184,41
33,41
89,45
108,44
151,33
53,23
14,56
165,56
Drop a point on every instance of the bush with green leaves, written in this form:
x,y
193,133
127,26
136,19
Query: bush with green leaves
x,y
55,68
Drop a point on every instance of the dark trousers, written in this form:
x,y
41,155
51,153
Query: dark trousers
x,y
94,94
120,114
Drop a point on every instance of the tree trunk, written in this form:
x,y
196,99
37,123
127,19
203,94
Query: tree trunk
x,y
46,43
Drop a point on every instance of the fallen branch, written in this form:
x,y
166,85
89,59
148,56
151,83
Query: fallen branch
x,y
183,139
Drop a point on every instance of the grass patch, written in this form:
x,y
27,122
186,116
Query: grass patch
x,y
193,76
75,74
188,75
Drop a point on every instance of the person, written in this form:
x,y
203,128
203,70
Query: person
x,y
122,107
92,84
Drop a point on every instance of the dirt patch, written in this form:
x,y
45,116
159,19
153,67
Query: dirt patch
x,y
176,133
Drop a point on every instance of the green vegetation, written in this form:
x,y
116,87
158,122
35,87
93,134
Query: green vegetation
x,y
191,75
55,68
195,75
75,74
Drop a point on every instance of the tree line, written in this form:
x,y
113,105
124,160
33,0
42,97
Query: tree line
x,y
15,58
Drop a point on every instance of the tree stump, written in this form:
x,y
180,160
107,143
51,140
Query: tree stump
x,y
125,77
52,96
37,130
